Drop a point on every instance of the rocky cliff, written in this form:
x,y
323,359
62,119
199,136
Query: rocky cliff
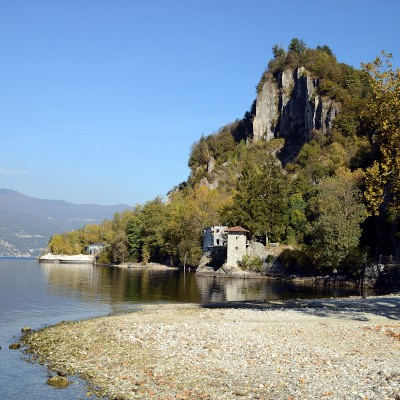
x,y
289,106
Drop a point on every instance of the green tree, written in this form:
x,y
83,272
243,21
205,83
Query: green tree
x,y
119,247
297,46
118,250
278,52
295,218
336,230
221,144
309,160
134,233
326,49
351,79
199,153
260,200
154,221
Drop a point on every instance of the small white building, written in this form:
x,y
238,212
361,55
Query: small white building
x,y
95,248
214,237
237,243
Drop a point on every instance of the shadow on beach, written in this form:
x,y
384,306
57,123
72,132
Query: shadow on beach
x,y
354,308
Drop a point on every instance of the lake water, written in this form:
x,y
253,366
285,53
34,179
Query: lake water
x,y
38,295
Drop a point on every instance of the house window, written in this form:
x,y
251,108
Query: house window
x,y
217,241
217,230
236,248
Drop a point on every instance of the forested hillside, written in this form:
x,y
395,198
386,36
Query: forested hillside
x,y
313,163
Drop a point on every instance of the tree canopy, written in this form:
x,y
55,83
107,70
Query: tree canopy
x,y
339,212
260,200
297,46
383,115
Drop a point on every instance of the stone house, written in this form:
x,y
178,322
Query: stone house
x,y
236,245
228,245
214,238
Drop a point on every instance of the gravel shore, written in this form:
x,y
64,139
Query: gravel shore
x,y
304,349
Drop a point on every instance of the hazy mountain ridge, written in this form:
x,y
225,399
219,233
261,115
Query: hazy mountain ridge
x,y
26,223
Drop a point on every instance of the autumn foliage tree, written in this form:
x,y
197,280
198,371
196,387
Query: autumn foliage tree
x,y
382,179
190,211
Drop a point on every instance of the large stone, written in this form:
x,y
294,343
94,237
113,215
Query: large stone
x,y
61,371
14,346
58,381
210,164
120,396
140,381
212,185
25,329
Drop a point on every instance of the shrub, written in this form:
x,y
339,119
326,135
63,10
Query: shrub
x,y
326,86
294,259
352,264
269,258
252,263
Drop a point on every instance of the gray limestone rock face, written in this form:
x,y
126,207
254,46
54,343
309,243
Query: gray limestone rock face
x,y
264,123
290,107
210,185
210,164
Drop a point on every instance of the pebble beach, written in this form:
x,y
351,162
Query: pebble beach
x,y
295,349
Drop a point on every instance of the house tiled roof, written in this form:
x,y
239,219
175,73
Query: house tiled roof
x,y
236,229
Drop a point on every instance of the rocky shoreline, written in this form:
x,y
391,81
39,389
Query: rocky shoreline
x,y
374,276
296,349
310,281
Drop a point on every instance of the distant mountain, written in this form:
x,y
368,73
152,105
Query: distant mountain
x,y
26,223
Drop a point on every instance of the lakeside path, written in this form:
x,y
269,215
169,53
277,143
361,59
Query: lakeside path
x,y
303,349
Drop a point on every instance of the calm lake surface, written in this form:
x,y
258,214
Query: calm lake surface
x,y
38,295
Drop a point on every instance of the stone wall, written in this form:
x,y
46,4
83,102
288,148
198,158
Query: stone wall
x,y
256,249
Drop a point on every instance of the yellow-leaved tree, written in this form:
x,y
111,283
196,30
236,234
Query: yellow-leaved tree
x,y
190,211
382,179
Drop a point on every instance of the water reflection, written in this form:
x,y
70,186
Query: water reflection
x,y
132,285
118,285
214,289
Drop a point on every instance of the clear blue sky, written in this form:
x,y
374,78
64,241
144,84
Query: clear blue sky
x,y
101,100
